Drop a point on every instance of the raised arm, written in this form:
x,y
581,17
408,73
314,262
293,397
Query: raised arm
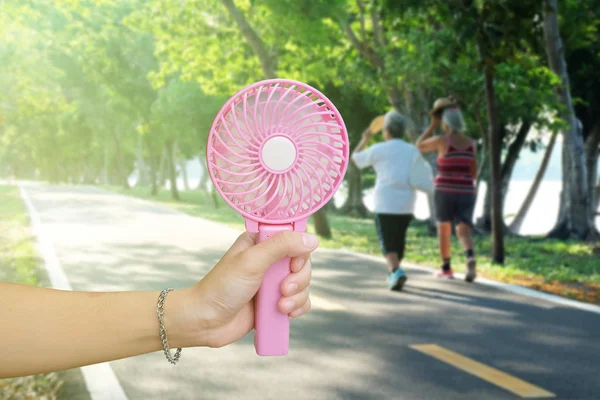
x,y
364,140
426,143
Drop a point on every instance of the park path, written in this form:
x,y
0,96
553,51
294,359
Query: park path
x,y
359,342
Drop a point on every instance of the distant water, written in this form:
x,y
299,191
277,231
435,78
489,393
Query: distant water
x,y
539,220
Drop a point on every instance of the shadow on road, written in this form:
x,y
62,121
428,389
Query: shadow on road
x,y
356,350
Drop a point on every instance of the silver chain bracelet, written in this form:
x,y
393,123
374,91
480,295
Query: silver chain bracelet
x,y
160,311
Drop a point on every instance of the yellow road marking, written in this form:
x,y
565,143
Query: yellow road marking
x,y
492,375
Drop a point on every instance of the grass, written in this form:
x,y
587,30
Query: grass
x,y
567,268
19,263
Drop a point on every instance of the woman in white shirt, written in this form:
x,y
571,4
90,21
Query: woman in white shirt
x,y
400,170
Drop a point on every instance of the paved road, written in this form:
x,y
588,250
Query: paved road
x,y
355,344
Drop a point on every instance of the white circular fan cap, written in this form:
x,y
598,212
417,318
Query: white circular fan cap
x,y
278,153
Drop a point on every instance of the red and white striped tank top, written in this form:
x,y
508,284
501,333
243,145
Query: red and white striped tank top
x,y
455,170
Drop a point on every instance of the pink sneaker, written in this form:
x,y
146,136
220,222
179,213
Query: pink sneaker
x,y
445,274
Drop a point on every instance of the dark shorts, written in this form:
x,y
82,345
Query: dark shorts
x,y
457,207
391,229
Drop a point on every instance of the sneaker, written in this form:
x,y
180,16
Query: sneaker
x,y
445,274
471,270
396,279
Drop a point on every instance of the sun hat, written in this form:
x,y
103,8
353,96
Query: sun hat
x,y
377,124
441,104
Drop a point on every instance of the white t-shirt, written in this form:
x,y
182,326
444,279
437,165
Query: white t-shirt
x,y
400,170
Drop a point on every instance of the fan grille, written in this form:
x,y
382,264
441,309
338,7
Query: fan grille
x,y
258,113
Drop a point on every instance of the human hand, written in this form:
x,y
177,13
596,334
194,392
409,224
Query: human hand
x,y
376,125
219,310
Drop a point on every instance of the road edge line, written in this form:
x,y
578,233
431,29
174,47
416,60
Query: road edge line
x,y
508,287
100,379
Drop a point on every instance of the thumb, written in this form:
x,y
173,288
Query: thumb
x,y
260,257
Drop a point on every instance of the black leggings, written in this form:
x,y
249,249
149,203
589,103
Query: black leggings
x,y
391,229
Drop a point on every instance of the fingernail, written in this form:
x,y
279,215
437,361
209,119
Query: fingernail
x,y
288,305
309,240
292,287
298,264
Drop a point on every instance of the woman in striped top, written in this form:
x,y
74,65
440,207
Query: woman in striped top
x,y
454,184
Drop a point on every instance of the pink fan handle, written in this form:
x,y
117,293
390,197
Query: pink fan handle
x,y
272,328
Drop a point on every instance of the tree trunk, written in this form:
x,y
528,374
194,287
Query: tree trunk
x,y
322,224
354,203
506,171
203,184
204,178
153,174
267,62
170,149
576,220
121,172
153,161
512,155
597,196
370,54
268,65
561,229
495,150
183,167
484,223
162,169
482,166
143,178
105,166
591,151
393,93
516,223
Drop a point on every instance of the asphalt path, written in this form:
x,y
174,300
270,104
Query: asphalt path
x,y
360,341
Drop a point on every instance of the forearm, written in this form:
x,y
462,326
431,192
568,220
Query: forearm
x,y
48,330
363,141
428,132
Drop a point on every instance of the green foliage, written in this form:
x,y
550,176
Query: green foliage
x,y
121,69
580,29
182,112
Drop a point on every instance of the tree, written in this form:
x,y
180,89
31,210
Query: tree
x,y
252,54
579,28
181,117
516,223
575,216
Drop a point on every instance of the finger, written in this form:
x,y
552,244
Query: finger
x,y
296,282
285,244
243,242
289,304
302,310
298,262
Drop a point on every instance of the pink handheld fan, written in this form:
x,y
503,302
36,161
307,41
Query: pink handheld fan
x,y
277,152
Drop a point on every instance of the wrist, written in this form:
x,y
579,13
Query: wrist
x,y
186,319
